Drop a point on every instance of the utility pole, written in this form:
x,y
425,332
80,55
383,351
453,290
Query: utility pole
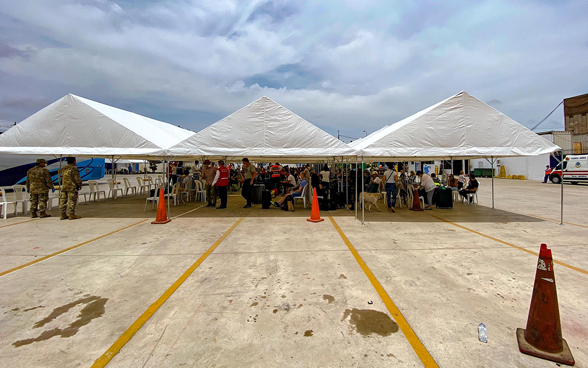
x,y
338,134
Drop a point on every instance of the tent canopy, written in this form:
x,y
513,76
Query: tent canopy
x,y
263,130
77,126
459,127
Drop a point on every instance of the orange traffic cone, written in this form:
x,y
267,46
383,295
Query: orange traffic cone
x,y
315,215
416,202
542,337
161,217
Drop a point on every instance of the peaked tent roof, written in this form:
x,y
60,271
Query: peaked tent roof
x,y
459,127
77,126
263,130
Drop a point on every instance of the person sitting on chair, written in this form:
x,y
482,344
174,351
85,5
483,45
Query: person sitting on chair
x,y
452,182
472,187
297,192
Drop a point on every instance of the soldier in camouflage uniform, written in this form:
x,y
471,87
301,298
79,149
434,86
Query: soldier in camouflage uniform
x,y
38,184
71,183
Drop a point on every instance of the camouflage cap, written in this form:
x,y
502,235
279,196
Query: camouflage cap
x,y
41,161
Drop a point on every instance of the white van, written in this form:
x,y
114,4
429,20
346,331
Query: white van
x,y
575,170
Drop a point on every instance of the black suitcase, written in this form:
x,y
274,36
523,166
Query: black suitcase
x,y
332,205
266,197
340,199
256,190
444,198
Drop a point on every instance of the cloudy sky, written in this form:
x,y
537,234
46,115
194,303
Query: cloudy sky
x,y
342,65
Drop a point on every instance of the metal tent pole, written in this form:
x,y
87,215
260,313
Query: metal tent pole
x,y
363,195
492,173
347,185
355,198
562,191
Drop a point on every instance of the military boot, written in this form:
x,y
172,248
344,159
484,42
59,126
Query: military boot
x,y
34,214
73,216
64,216
44,214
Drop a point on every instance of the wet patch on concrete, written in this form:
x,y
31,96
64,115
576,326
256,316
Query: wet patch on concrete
x,y
254,304
33,308
308,333
94,309
367,322
329,298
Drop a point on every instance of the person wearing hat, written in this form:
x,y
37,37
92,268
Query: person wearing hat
x,y
71,183
38,184
208,174
375,183
547,173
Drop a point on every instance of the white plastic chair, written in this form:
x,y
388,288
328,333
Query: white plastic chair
x,y
113,189
130,187
473,197
4,203
53,197
302,196
154,200
95,190
149,182
142,186
21,197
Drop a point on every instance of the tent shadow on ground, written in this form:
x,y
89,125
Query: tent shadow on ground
x,y
133,207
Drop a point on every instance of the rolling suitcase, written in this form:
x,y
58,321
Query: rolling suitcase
x,y
256,190
444,198
266,197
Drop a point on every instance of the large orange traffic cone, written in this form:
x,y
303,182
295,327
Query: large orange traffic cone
x,y
161,217
542,337
315,215
416,202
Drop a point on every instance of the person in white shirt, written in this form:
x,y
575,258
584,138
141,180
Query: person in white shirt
x,y
429,186
325,177
375,183
390,176
460,180
290,181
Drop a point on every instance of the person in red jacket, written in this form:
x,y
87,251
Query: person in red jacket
x,y
221,181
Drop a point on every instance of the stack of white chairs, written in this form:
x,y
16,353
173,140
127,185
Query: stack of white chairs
x,y
4,203
22,197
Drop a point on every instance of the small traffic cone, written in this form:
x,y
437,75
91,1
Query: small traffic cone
x,y
416,202
315,215
542,337
161,217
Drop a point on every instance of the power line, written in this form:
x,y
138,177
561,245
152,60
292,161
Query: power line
x,y
545,118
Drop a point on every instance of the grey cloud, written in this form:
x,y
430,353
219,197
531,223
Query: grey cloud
x,y
8,51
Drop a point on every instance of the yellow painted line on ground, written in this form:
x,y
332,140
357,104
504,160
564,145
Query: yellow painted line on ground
x,y
185,213
136,326
18,223
411,336
558,221
509,244
68,249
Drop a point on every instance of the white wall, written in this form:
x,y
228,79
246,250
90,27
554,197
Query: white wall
x,y
533,167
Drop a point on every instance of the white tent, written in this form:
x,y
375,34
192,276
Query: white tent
x,y
76,126
459,127
263,130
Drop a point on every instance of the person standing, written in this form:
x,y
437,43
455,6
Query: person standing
x,y
275,176
38,184
221,181
249,175
547,173
70,185
429,186
391,177
208,174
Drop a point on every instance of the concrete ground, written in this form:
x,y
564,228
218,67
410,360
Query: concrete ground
x,y
265,288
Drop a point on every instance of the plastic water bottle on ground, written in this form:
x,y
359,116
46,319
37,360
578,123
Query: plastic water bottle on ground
x,y
482,333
